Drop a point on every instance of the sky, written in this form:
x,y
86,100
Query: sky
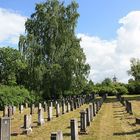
x,y
109,32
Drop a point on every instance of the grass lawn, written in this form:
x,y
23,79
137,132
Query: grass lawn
x,y
111,123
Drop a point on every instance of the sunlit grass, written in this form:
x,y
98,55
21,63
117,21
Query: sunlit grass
x,y
111,123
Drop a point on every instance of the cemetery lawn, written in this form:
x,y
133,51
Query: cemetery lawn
x,y
111,123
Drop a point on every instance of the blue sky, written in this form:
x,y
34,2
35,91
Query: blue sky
x,y
109,29
97,17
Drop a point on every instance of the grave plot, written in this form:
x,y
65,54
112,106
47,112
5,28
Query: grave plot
x,y
112,121
44,130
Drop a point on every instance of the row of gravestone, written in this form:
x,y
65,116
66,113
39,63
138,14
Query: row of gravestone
x,y
126,103
9,111
86,116
74,101
128,106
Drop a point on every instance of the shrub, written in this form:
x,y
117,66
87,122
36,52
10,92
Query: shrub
x,y
16,95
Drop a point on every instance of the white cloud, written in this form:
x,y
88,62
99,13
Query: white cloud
x,y
11,26
107,58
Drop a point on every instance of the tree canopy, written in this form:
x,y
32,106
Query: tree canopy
x,y
56,62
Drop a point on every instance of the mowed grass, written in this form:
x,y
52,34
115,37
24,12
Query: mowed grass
x,y
111,123
43,132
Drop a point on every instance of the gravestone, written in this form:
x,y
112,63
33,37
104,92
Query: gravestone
x,y
39,106
5,111
5,128
71,105
45,107
26,105
40,117
21,108
63,107
68,106
54,136
32,109
27,124
88,116
49,113
91,111
130,108
60,135
75,104
74,129
94,111
13,110
9,111
57,110
57,135
51,104
97,107
83,121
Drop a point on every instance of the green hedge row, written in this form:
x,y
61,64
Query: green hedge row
x,y
15,95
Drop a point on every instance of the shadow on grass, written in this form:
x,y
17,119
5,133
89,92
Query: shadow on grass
x,y
119,116
121,111
66,134
127,133
18,133
15,134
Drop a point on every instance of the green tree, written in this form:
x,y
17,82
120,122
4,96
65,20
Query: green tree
x,y
107,82
11,65
135,69
56,62
89,88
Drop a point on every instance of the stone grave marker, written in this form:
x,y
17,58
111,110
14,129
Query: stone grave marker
x,y
74,129
5,128
5,111
40,117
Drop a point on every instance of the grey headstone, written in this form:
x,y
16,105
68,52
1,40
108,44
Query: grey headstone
x,y
5,128
74,129
91,111
49,113
27,123
5,111
54,136
10,111
32,109
83,121
88,116
57,110
40,117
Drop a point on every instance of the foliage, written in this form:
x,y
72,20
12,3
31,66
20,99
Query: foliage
x,y
109,87
10,66
121,89
56,62
15,95
134,87
135,69
107,82
89,88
